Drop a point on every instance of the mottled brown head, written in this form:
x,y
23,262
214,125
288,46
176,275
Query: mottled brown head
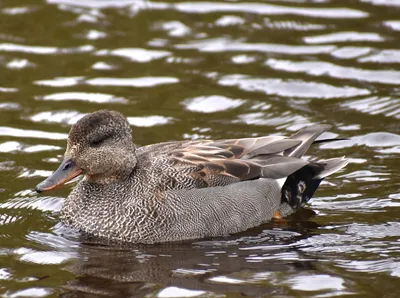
x,y
99,145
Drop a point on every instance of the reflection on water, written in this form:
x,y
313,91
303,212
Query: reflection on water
x,y
204,69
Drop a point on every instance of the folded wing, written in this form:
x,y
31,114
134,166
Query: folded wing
x,y
223,162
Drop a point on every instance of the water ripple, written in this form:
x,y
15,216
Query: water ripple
x,y
12,146
133,82
65,117
388,106
228,45
290,88
373,139
384,56
174,28
394,25
43,50
148,121
60,81
26,133
211,104
268,9
328,69
179,292
373,266
317,282
30,292
84,96
135,54
343,37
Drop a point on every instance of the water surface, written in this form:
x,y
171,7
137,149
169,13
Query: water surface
x,y
205,69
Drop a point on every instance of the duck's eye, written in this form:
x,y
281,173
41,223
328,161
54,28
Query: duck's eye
x,y
98,141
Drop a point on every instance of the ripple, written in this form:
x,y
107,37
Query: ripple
x,y
384,56
390,229
148,121
17,10
65,117
227,280
60,82
12,146
43,50
269,9
9,106
45,257
7,166
285,120
350,52
361,205
135,54
316,68
19,64
226,21
373,266
133,82
331,243
383,2
243,59
290,88
60,240
94,35
343,37
293,25
179,292
393,150
394,25
229,45
101,65
34,173
110,3
317,282
211,104
5,274
30,292
84,96
365,175
7,90
26,133
6,219
174,28
43,204
373,139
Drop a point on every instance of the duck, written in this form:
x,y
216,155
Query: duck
x,y
182,190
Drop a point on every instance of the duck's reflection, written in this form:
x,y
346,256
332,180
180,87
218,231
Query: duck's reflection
x,y
246,263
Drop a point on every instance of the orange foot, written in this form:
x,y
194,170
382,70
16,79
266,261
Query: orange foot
x,y
277,215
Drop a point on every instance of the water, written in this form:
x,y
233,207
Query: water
x,y
197,69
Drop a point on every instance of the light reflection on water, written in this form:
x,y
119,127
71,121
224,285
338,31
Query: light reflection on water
x,y
204,69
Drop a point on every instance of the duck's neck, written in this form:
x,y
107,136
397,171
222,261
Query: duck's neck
x,y
118,172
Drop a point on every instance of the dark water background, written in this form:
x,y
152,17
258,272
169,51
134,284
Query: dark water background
x,y
197,69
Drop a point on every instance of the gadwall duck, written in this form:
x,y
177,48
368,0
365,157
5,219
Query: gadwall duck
x,y
182,190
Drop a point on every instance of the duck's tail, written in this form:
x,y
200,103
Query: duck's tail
x,y
300,186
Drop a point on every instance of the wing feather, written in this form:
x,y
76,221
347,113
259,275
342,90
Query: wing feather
x,y
212,163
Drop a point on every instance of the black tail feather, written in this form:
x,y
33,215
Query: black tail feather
x,y
330,140
300,186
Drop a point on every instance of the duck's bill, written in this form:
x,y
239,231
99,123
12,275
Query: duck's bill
x,y
65,172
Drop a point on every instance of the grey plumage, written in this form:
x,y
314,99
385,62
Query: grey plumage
x,y
182,190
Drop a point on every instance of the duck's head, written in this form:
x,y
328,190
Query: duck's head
x,y
100,146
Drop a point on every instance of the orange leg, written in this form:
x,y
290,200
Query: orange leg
x,y
277,215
